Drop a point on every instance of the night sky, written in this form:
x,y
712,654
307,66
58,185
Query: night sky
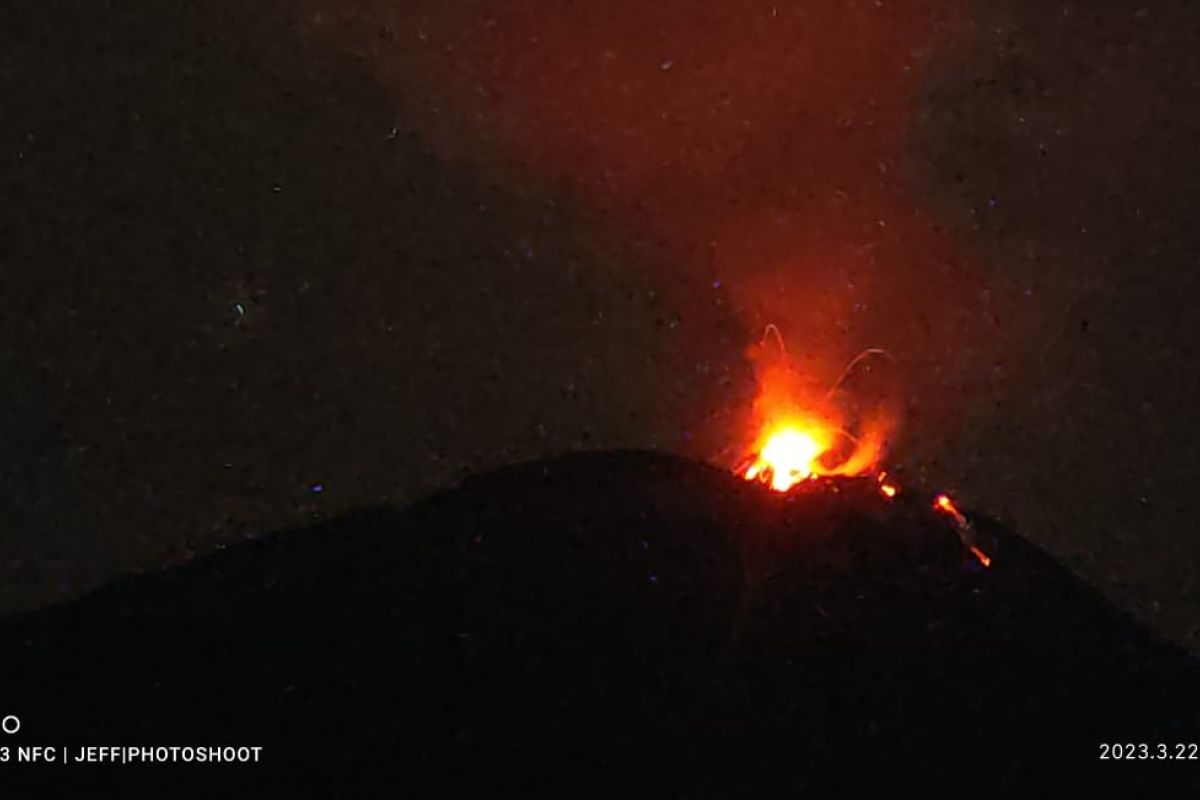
x,y
262,265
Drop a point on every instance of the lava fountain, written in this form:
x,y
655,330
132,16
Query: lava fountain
x,y
802,430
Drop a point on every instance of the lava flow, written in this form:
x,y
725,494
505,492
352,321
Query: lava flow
x,y
791,455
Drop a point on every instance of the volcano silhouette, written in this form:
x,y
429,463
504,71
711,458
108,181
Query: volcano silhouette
x,y
609,624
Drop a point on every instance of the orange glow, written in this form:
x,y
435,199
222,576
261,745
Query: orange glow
x,y
982,556
886,487
802,432
946,506
789,455
794,447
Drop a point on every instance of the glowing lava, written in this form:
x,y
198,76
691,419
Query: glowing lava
x,y
788,456
803,430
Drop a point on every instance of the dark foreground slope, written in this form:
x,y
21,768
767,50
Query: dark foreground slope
x,y
618,624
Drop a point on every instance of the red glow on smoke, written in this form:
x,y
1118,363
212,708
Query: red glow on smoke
x,y
759,145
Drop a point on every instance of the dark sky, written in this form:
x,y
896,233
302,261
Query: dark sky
x,y
260,264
